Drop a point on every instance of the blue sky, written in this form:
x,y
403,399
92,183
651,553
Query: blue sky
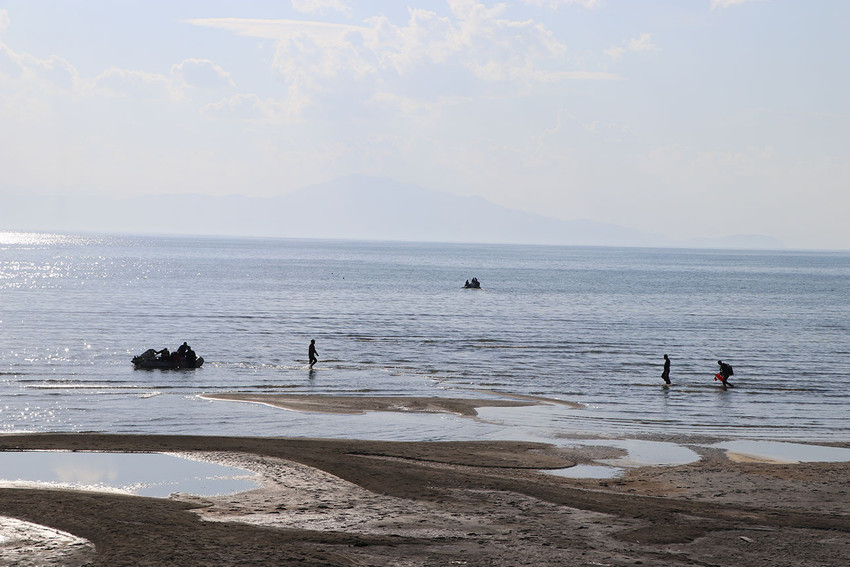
x,y
686,117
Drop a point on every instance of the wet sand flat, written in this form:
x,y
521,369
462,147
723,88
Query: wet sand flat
x,y
353,502
362,404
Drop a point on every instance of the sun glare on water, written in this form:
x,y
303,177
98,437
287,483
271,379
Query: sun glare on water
x,y
12,238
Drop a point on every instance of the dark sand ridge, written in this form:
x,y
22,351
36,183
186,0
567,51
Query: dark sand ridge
x,y
473,503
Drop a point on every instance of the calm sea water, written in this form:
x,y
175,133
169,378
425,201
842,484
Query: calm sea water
x,y
586,325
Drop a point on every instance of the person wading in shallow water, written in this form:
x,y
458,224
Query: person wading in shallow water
x,y
311,352
724,374
666,374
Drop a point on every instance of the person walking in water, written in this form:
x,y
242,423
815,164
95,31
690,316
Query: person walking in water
x,y
666,374
311,352
724,374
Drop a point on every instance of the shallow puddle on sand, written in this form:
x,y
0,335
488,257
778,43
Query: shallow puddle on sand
x,y
587,471
642,453
781,452
144,474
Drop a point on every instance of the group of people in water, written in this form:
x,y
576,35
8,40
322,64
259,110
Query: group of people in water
x,y
723,375
185,357
183,352
474,284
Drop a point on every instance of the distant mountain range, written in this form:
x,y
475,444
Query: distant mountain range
x,y
352,207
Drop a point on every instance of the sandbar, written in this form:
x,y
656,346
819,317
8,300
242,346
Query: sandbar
x,y
320,403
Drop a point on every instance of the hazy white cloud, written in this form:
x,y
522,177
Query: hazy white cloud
x,y
43,78
472,38
144,85
308,56
243,106
11,64
727,3
135,84
428,38
49,74
278,29
499,49
250,107
4,20
201,73
615,53
555,4
321,6
58,72
418,110
641,43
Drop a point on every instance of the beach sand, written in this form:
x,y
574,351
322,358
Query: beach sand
x,y
355,502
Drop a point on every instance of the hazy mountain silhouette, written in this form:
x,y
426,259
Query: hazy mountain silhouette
x,y
351,207
381,209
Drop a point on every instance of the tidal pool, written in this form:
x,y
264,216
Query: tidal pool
x,y
783,452
587,471
144,474
642,453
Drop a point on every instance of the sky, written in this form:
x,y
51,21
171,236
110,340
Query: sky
x,y
689,118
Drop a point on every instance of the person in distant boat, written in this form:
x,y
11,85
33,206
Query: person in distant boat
x,y
311,352
148,354
164,354
724,374
666,374
466,284
183,349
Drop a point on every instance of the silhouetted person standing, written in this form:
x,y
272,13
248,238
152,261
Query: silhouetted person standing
x,y
666,374
311,352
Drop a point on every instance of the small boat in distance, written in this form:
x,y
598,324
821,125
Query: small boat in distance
x,y
472,284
